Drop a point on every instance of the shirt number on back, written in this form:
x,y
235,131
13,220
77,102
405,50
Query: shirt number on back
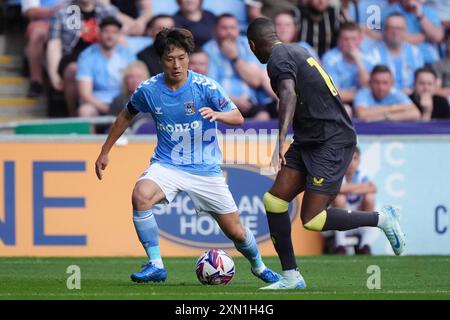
x,y
313,63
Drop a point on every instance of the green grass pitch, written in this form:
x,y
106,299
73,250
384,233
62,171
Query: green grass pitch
x,y
327,277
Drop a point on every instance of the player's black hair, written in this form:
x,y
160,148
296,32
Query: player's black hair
x,y
152,21
110,21
379,69
425,70
167,39
261,29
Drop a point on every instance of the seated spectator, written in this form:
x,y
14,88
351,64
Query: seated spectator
x,y
134,74
200,22
423,25
233,65
199,62
287,30
39,13
442,69
400,56
382,101
431,106
347,65
134,15
149,55
68,36
270,8
100,69
320,23
357,193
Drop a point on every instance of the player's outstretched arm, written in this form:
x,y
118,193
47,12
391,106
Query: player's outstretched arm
x,y
233,117
118,128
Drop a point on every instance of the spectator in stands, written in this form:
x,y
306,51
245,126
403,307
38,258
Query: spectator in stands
x,y
423,25
270,8
39,13
400,56
133,14
133,75
149,55
442,69
200,22
69,35
320,23
382,101
347,65
357,193
199,62
430,105
287,30
100,70
233,65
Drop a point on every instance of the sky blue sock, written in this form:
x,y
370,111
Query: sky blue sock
x,y
250,250
147,231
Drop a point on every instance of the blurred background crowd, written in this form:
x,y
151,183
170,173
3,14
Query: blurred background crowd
x,y
389,59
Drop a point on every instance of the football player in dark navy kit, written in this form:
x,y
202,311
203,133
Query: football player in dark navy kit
x,y
315,163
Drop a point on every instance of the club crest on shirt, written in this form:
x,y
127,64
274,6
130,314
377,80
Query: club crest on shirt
x,y
158,110
189,108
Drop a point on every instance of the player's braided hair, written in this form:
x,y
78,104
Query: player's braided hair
x,y
167,39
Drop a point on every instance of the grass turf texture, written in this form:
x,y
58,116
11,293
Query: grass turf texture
x,y
327,277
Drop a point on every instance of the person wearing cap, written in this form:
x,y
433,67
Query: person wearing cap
x,y
100,70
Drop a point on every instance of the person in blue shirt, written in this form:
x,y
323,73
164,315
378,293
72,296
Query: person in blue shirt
x,y
233,66
100,70
424,26
400,56
382,101
185,107
347,64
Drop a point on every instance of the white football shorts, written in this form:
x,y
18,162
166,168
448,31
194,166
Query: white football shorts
x,y
209,194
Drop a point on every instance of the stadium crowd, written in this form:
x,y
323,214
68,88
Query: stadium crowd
x,y
390,60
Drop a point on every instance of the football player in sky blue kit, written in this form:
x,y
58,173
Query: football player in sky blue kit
x,y
185,107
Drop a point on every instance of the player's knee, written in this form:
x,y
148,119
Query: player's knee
x,y
316,223
274,204
140,199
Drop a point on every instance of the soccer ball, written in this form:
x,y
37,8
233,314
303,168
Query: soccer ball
x,y
214,267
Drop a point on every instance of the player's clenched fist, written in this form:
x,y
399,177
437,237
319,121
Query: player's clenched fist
x,y
100,165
